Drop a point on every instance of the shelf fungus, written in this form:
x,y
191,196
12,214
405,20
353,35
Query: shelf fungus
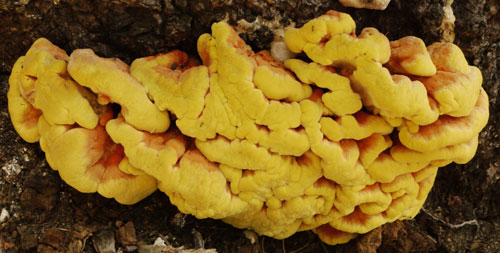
x,y
339,144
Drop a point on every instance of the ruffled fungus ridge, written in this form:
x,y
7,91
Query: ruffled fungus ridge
x,y
341,145
47,105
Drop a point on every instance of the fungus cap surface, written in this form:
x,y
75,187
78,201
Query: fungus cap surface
x,y
340,144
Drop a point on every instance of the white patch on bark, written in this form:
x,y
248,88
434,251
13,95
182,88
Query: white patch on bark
x,y
448,24
373,4
12,167
4,215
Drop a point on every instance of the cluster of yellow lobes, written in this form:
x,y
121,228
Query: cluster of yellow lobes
x,y
340,145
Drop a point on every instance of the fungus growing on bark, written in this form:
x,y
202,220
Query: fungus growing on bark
x,y
110,78
43,58
410,56
89,161
339,145
23,115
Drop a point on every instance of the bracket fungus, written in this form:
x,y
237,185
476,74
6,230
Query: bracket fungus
x,y
340,144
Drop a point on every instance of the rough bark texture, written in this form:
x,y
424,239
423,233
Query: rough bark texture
x,y
461,214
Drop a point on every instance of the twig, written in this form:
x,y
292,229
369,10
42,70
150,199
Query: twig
x,y
323,246
454,226
262,244
301,248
